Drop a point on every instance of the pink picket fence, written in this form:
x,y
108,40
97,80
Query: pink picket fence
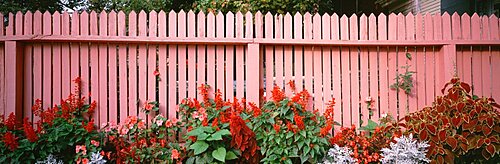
x,y
348,58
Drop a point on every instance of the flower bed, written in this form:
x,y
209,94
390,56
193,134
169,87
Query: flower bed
x,y
281,130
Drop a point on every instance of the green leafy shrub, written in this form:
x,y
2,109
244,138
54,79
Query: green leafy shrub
x,y
288,133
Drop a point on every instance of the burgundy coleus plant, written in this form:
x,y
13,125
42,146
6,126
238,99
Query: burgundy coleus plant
x,y
458,126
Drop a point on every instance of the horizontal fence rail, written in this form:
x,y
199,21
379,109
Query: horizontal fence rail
x,y
348,58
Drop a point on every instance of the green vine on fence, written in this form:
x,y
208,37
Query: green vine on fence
x,y
404,81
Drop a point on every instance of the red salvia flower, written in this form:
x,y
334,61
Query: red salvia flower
x,y
219,103
256,110
292,85
276,128
326,130
36,108
290,127
29,131
299,121
204,93
277,94
90,126
92,107
329,110
10,122
10,141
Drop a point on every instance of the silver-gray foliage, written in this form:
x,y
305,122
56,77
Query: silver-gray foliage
x,y
97,158
405,151
51,159
339,155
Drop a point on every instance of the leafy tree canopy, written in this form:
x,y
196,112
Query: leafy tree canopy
x,y
273,6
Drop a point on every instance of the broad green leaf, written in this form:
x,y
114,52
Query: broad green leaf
x,y
230,155
215,137
223,132
220,154
199,147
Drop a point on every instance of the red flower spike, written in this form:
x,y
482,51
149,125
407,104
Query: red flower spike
x,y
10,122
29,131
10,141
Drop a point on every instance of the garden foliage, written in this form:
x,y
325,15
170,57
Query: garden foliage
x,y
458,128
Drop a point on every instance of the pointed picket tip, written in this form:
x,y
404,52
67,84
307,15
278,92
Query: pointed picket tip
x,y
344,17
353,15
493,17
159,13
36,12
152,12
372,16
249,13
229,14
465,16
210,15
201,13
29,12
83,13
418,15
288,15
307,14
334,15
220,14
191,12
172,12
410,14
382,15
95,13
19,13
363,16
316,16
112,12
475,16
401,15
258,13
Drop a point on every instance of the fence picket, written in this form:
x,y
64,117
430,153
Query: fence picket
x,y
84,56
191,59
239,58
112,65
103,77
219,55
28,67
229,57
142,65
373,68
94,65
37,61
288,64
331,57
172,67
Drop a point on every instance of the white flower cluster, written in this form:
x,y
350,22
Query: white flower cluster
x,y
405,151
97,158
339,155
51,159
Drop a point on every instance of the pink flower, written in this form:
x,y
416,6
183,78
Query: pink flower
x,y
159,122
148,106
85,161
95,143
174,121
141,124
123,131
81,148
168,124
175,154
